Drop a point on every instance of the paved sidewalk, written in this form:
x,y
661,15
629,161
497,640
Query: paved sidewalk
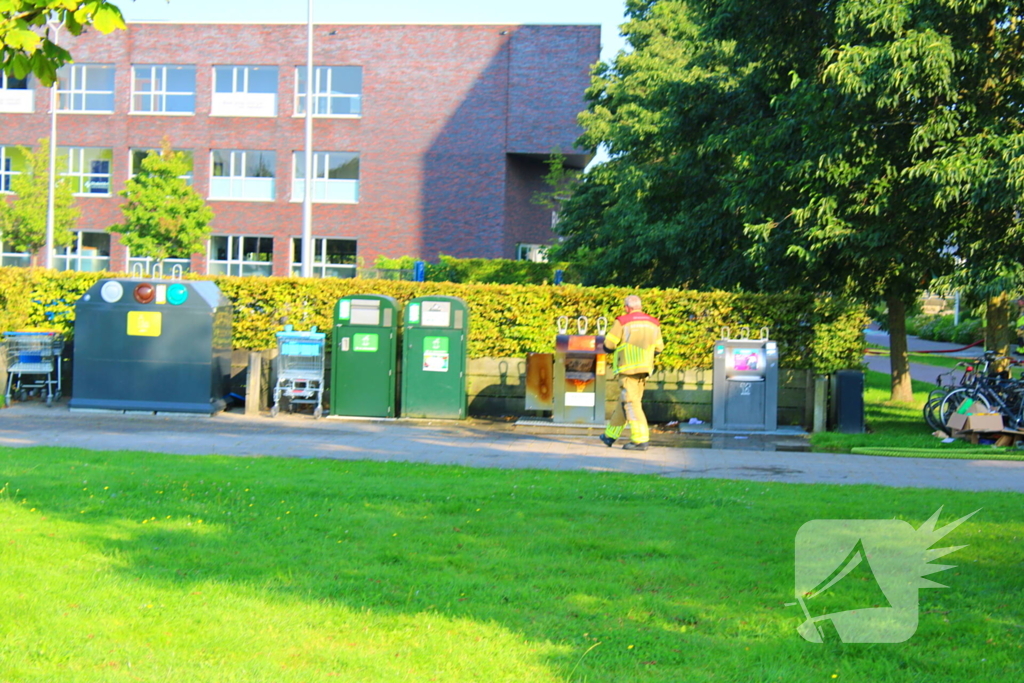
x,y
475,445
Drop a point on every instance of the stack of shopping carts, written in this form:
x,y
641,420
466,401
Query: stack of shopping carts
x,y
300,370
33,365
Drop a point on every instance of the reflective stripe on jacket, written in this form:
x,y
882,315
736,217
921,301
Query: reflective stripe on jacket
x,y
634,338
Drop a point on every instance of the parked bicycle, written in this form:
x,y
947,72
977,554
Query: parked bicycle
x,y
979,388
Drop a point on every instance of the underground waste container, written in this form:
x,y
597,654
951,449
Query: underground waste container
x,y
151,345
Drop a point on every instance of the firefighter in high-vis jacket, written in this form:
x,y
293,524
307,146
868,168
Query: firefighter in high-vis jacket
x,y
634,340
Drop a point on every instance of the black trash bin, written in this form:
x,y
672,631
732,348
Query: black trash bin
x,y
848,401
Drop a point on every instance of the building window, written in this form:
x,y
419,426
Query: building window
x,y
88,169
137,155
163,89
17,259
15,95
86,88
538,253
242,256
244,91
331,257
12,163
335,177
246,175
337,90
89,253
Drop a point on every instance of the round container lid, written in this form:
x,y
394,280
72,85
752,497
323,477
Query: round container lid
x,y
111,291
177,294
145,293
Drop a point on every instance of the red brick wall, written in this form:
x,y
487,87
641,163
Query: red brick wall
x,y
442,106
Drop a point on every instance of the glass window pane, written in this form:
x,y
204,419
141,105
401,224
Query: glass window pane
x,y
347,80
262,79
181,79
180,104
99,102
344,167
259,165
223,78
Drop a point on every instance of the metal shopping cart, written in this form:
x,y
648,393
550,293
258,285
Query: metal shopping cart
x,y
33,365
300,370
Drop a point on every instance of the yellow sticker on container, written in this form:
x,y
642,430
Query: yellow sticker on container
x,y
144,323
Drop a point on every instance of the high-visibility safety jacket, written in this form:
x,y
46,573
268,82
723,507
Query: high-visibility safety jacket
x,y
634,339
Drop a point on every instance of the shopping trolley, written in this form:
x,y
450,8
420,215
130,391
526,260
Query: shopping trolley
x,y
300,370
33,365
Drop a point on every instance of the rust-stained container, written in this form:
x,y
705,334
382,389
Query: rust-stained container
x,y
540,381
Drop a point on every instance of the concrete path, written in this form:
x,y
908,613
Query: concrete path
x,y
476,445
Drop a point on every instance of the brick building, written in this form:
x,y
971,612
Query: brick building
x,y
427,139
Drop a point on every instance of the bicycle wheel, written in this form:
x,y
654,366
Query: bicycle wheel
x,y
955,399
931,408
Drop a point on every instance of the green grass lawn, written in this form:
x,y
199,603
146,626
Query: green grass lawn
x,y
146,567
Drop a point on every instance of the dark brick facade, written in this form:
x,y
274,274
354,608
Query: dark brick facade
x,y
455,123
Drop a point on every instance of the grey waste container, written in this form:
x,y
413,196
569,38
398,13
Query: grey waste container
x,y
848,401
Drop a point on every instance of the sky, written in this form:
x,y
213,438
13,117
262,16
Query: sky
x,y
607,13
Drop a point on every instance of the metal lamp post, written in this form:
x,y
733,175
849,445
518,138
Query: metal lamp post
x,y
48,258
307,199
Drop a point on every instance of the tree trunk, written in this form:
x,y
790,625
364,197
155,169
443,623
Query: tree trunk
x,y
998,334
898,360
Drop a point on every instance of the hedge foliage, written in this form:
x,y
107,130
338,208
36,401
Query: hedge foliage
x,y
506,321
486,271
943,328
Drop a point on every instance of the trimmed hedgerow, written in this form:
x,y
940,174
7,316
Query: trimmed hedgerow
x,y
506,321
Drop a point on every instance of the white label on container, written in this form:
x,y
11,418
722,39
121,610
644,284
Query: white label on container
x,y
344,309
413,313
435,361
579,399
437,313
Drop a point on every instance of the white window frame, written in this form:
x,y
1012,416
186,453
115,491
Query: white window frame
x,y
16,100
321,268
326,190
323,78
7,171
240,101
75,258
74,86
236,264
536,253
158,75
133,171
84,180
14,259
237,183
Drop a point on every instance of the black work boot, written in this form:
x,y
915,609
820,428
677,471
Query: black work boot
x,y
634,446
607,440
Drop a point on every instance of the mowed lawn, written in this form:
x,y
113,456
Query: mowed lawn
x,y
145,567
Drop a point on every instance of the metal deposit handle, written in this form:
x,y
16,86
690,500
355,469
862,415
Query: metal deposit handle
x,y
177,271
563,324
141,272
726,332
764,333
582,324
157,270
745,332
602,325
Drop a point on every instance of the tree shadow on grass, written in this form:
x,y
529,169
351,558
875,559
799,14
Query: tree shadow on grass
x,y
678,573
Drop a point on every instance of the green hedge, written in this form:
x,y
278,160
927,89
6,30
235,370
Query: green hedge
x,y
821,333
941,328
486,271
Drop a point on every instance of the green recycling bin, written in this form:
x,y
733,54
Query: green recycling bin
x,y
434,357
364,356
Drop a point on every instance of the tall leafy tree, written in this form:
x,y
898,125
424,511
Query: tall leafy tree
x,y
863,146
23,220
26,43
163,216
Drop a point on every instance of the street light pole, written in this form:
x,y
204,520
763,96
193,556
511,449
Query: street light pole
x,y
48,258
307,199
